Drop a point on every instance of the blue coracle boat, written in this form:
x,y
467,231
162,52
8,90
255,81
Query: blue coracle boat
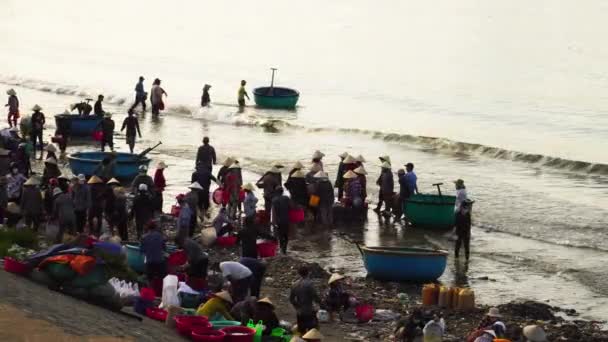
x,y
404,263
75,125
127,165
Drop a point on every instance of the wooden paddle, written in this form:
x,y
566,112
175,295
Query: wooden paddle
x,y
146,151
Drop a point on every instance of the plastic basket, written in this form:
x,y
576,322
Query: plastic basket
x,y
267,249
226,241
14,266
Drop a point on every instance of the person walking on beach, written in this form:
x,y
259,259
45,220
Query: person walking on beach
x,y
143,209
280,217
38,122
132,125
80,193
140,95
205,157
303,296
98,107
107,126
13,107
205,98
242,94
386,184
156,97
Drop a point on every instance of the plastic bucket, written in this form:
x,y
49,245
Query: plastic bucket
x,y
147,293
98,135
296,215
364,313
208,335
14,266
135,259
238,334
267,249
218,196
185,324
226,241
177,258
157,314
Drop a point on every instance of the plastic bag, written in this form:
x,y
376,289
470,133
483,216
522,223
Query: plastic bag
x,y
125,290
169,297
208,236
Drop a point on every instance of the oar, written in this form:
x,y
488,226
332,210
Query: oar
x,y
438,185
146,151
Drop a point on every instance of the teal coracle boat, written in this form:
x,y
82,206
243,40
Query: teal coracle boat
x,y
403,263
75,125
430,211
275,97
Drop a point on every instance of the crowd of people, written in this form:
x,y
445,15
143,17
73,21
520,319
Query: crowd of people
x,y
100,204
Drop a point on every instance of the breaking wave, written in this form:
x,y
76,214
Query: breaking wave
x,y
229,114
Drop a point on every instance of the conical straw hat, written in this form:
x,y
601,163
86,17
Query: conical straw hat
x,y
335,277
386,165
350,175
349,160
313,334
360,170
318,155
266,300
298,174
298,165
94,180
113,181
360,159
224,295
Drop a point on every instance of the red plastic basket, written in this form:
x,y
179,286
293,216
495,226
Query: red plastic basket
x,y
267,249
185,324
226,241
208,335
157,314
177,258
175,210
14,266
364,313
98,135
147,293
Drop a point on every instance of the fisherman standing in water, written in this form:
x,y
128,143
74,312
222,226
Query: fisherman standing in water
x,y
132,125
38,122
156,97
242,94
140,94
98,107
13,107
206,99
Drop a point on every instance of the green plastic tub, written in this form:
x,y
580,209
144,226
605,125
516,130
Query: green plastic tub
x,y
430,211
217,325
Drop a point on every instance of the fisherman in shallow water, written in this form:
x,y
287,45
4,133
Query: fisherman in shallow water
x,y
132,125
156,97
13,107
205,98
38,122
140,95
107,128
462,219
242,94
98,107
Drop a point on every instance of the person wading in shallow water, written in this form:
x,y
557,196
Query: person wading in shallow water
x,y
13,107
140,95
156,97
242,94
205,98
38,122
205,157
132,125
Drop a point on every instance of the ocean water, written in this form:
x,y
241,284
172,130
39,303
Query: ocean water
x,y
510,97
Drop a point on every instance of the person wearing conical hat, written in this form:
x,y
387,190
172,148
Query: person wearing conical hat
x,y
110,202
303,297
51,170
232,189
353,190
107,126
324,189
269,182
80,194
205,98
131,123
95,198
296,184
37,123
160,183
50,151
534,333
217,307
13,107
32,204
63,212
142,210
221,174
385,159
317,157
263,310
337,298
249,204
312,171
297,166
387,186
360,160
313,335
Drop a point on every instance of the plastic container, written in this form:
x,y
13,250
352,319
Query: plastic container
x,y
135,259
466,300
217,325
267,249
218,196
208,335
175,210
147,293
238,334
455,293
444,297
259,330
98,135
14,266
430,294
156,314
185,324
177,258
296,215
364,313
226,241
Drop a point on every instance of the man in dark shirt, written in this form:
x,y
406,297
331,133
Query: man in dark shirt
x,y
98,107
37,123
258,269
303,296
280,217
140,94
203,177
132,125
107,126
206,155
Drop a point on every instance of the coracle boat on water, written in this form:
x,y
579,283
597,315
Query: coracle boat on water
x,y
275,97
430,211
127,165
75,125
403,263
